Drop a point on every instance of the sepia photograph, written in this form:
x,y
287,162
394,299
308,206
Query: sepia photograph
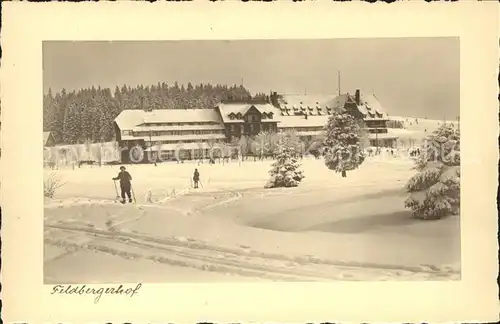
x,y
249,165
251,160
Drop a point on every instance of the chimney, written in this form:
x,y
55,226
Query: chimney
x,y
274,99
357,97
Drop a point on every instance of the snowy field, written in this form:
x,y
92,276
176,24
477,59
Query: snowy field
x,y
232,230
416,132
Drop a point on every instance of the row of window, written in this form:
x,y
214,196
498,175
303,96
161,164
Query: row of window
x,y
182,124
308,129
304,108
184,142
376,124
238,129
251,128
252,117
183,132
377,130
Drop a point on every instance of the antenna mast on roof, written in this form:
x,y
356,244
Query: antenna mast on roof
x,y
338,74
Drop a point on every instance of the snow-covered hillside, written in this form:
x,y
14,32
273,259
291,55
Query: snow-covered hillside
x,y
232,229
415,129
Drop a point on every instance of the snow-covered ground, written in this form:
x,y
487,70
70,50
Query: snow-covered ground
x,y
415,129
231,229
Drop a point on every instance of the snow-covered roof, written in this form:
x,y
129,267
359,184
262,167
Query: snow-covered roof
x,y
129,119
312,104
241,108
301,121
181,146
369,105
190,137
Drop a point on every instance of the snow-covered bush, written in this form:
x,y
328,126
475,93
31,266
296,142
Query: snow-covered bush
x,y
435,189
343,141
285,171
51,184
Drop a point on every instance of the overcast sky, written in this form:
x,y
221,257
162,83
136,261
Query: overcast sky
x,y
411,76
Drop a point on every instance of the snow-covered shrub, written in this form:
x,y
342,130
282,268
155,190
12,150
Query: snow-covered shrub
x,y
435,189
285,171
343,141
51,184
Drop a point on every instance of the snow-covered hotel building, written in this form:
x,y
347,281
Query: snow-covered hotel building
x,y
196,131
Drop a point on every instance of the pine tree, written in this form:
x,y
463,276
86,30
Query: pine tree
x,y
435,189
343,140
97,107
285,171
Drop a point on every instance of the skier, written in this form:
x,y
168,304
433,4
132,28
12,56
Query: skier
x,y
125,184
196,178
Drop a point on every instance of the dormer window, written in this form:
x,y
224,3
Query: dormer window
x,y
264,116
239,116
270,115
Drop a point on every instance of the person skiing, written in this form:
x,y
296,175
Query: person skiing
x,y
196,178
125,184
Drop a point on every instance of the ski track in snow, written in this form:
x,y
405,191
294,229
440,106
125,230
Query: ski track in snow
x,y
206,257
108,238
243,262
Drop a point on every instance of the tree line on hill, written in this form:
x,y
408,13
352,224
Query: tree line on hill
x,y
87,114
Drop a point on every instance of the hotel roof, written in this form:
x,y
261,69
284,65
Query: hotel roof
x,y
369,105
189,137
318,105
242,108
310,104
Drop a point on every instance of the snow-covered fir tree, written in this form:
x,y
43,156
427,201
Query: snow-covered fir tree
x,y
342,143
435,189
285,171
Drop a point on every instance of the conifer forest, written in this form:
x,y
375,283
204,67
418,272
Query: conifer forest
x,y
87,114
